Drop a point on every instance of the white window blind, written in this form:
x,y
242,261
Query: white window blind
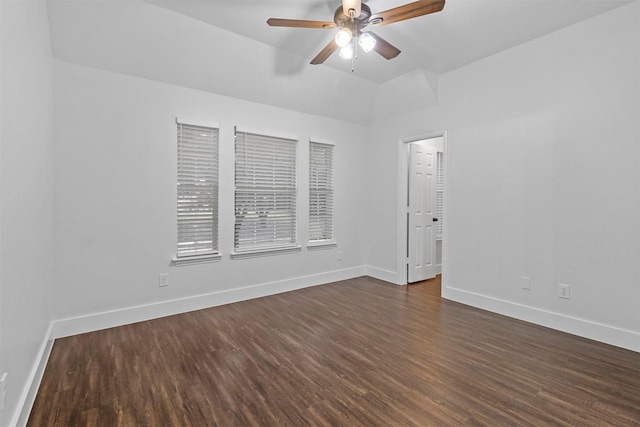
x,y
265,192
197,190
320,191
439,192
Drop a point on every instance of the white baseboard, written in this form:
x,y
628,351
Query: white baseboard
x,y
30,390
92,322
128,315
561,322
386,275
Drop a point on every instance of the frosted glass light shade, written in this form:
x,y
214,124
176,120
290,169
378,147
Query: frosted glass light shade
x,y
367,42
343,37
346,52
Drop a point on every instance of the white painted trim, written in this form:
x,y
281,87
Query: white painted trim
x,y
445,195
256,253
581,327
195,259
124,316
321,244
386,275
197,122
401,231
92,322
31,386
320,141
403,188
268,133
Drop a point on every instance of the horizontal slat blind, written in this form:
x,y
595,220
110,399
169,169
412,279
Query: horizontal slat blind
x,y
197,190
320,191
265,192
439,192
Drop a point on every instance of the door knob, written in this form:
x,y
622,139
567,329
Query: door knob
x,y
435,219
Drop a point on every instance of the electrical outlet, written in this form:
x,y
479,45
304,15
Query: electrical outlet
x,y
564,291
164,280
526,283
3,389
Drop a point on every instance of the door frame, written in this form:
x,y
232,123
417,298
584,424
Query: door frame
x,y
421,210
403,191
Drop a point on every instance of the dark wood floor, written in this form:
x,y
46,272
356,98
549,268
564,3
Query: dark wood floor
x,y
353,353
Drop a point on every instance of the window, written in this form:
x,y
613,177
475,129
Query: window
x,y
197,190
320,192
265,192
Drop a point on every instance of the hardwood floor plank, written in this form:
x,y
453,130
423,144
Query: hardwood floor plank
x,y
354,353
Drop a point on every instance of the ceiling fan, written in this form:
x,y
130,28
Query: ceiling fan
x,y
352,17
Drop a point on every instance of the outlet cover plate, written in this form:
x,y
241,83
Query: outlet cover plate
x,y
564,291
163,280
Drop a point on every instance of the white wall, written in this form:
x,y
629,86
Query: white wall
x,y
115,204
543,180
158,44
543,144
25,196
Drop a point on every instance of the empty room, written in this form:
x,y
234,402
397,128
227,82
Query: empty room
x,y
319,213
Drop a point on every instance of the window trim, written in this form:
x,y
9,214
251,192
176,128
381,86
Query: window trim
x,y
253,252
321,244
196,259
331,242
256,253
214,255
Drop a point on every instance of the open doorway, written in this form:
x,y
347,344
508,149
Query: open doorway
x,y
421,213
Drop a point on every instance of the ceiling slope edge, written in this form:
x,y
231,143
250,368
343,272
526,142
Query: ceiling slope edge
x,y
412,91
182,51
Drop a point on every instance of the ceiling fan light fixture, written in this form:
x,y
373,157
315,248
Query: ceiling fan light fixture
x,y
351,8
367,42
351,17
344,36
346,52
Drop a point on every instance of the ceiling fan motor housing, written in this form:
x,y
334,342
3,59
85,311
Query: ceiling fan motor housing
x,y
357,17
343,20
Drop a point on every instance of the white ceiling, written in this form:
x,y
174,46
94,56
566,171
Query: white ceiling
x,y
465,31
225,47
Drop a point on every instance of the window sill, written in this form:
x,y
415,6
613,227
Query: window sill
x,y
321,244
265,252
195,259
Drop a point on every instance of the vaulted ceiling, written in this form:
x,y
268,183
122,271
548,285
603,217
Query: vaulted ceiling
x,y
464,31
226,47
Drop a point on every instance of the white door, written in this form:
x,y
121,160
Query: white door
x,y
421,212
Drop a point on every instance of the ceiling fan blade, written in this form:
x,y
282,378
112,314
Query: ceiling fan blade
x,y
383,47
325,53
407,11
299,23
